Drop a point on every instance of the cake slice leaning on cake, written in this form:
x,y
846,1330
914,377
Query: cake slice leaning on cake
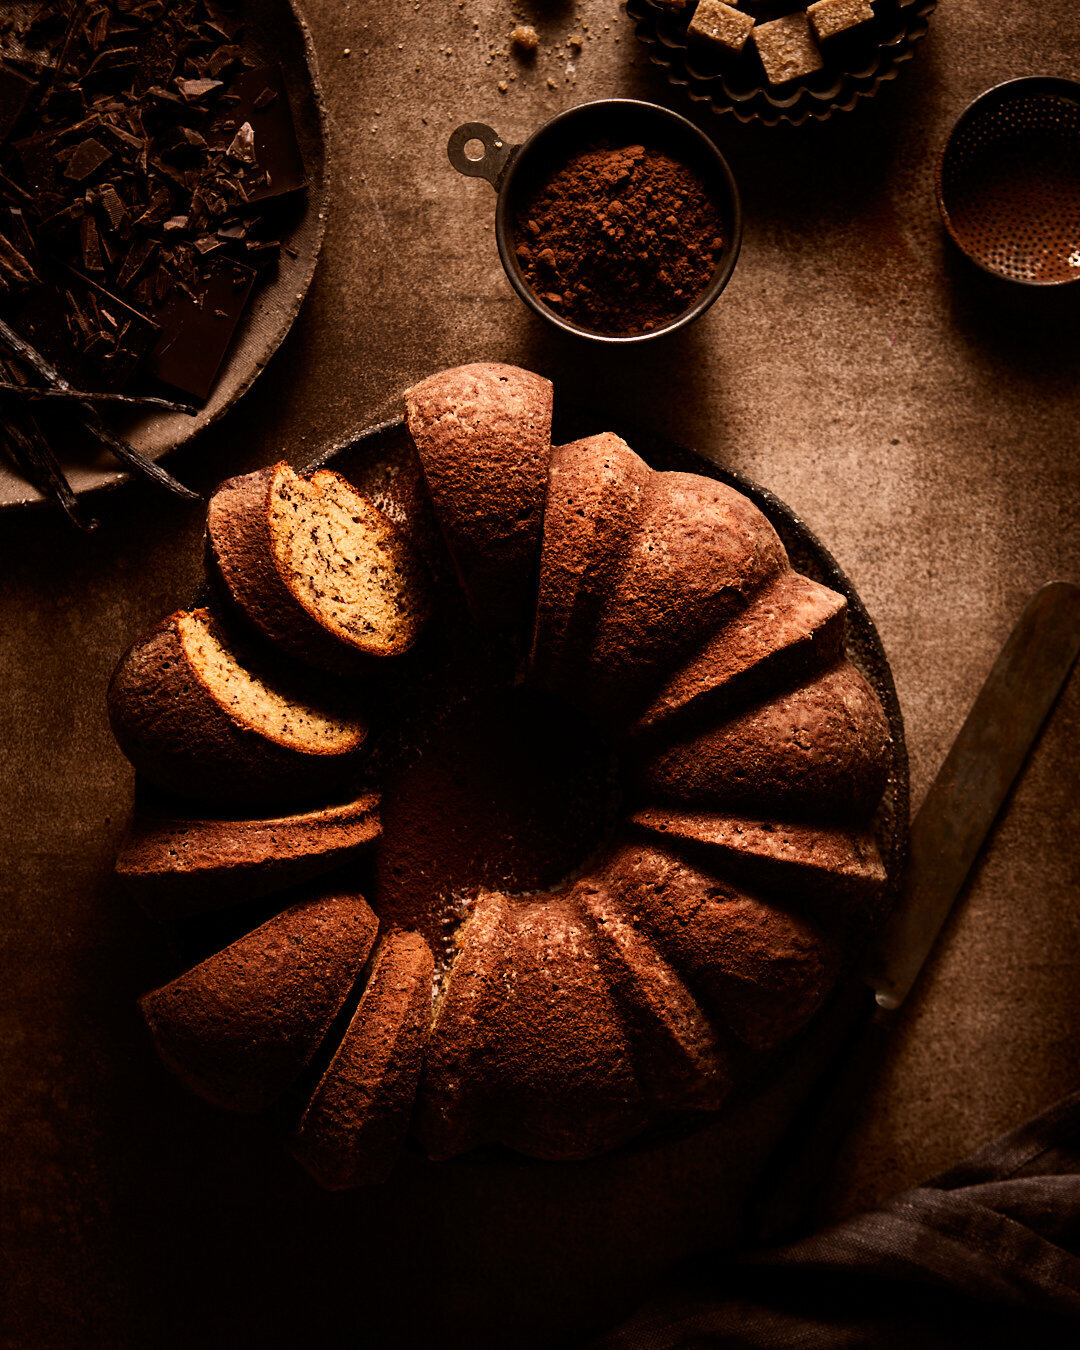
x,y
197,718
315,569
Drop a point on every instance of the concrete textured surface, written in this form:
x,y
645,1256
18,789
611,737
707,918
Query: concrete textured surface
x,y
922,421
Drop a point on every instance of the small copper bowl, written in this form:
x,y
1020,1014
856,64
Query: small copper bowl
x,y
513,170
1008,181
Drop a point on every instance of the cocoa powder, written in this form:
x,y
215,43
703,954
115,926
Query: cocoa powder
x,y
619,240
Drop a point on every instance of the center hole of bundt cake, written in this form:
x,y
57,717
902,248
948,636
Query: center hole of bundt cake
x,y
510,790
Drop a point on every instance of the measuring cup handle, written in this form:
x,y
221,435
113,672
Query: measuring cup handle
x,y
492,164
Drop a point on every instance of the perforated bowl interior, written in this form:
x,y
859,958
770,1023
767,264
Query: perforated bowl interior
x,y
1009,181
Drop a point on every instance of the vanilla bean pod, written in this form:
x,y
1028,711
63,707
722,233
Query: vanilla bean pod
x,y
33,393
31,452
93,422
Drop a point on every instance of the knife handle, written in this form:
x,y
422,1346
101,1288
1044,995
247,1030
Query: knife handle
x,y
782,1206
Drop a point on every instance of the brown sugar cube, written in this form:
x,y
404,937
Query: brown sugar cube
x,y
830,17
722,24
787,48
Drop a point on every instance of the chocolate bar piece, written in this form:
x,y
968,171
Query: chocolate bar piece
x,y
196,330
261,104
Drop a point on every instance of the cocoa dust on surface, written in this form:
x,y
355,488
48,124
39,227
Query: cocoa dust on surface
x,y
619,240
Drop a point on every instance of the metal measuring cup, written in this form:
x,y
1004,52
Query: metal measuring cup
x,y
513,169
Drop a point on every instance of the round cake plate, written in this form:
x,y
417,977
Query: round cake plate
x,y
277,34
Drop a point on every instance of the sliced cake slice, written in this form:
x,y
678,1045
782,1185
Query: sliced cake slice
x,y
756,968
699,556
819,749
453,1113
198,719
681,1061
791,627
315,568
595,492
834,871
179,866
352,1130
240,1027
483,435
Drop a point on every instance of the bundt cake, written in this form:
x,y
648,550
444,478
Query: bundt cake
x,y
627,820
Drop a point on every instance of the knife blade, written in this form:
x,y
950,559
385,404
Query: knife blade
x,y
974,781
946,835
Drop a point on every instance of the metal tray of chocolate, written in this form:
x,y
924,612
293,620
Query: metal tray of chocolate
x,y
163,188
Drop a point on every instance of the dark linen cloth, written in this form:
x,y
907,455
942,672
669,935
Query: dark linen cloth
x,y
986,1254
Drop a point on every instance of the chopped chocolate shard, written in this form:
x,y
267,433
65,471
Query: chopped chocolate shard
x,y
87,158
115,212
242,146
91,245
158,209
222,59
262,251
194,335
16,271
137,258
195,91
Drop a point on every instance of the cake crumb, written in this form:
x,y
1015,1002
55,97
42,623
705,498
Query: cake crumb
x,y
525,39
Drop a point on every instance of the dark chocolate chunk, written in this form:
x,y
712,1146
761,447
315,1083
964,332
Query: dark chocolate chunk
x,y
86,159
196,91
115,211
277,154
195,334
